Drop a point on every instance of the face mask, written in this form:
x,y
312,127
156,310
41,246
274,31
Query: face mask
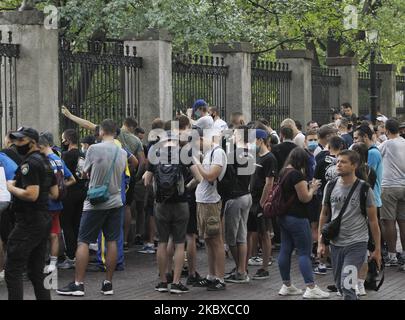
x,y
24,149
84,151
197,114
64,147
312,145
383,137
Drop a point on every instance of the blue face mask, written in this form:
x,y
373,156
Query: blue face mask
x,y
197,114
312,145
257,148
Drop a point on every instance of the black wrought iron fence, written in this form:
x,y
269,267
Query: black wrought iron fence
x,y
325,93
101,83
9,53
400,96
270,91
364,92
198,77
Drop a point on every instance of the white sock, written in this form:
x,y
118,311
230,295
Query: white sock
x,y
53,261
361,282
210,277
78,283
220,279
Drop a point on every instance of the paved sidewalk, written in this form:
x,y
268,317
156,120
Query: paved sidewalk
x,y
138,280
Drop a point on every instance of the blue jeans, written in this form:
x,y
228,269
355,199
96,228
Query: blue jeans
x,y
295,233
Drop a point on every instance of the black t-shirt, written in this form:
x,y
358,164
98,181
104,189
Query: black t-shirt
x,y
71,159
184,171
13,154
297,209
242,181
348,139
282,151
35,170
266,167
325,170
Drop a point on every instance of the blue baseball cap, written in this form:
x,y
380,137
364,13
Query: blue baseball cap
x,y
261,134
199,103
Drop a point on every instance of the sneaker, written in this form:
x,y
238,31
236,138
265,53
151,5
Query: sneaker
x,y
261,274
320,269
106,288
162,287
360,290
72,289
393,262
178,288
216,285
191,280
329,266
289,291
332,288
50,268
315,293
230,273
203,283
67,264
2,276
148,248
126,247
339,294
402,268
255,261
138,240
238,278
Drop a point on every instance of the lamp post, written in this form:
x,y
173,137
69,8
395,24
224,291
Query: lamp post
x,y
372,38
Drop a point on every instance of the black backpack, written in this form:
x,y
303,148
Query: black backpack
x,y
168,182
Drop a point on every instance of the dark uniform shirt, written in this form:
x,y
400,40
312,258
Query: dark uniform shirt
x,y
35,170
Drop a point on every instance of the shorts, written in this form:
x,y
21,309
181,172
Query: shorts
x,y
130,193
171,220
393,200
236,215
94,221
314,208
55,227
256,221
209,219
192,221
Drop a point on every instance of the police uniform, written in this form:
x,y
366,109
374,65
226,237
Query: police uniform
x,y
27,242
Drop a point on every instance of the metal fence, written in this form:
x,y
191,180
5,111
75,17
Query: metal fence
x,y
364,92
198,77
271,83
400,96
9,53
101,83
325,94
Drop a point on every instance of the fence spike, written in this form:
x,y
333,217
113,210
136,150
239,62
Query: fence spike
x,y
201,60
267,65
212,60
10,37
1,36
217,61
195,58
207,59
134,51
222,61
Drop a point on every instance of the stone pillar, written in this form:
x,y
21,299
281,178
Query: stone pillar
x,y
300,64
349,85
237,57
155,76
37,69
388,89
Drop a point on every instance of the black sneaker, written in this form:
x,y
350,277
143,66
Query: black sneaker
x,y
332,288
203,283
72,290
178,288
138,241
261,274
162,287
216,285
191,280
230,273
106,288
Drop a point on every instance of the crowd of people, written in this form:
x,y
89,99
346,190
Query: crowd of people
x,y
200,181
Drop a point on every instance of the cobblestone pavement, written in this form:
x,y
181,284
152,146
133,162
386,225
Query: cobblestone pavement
x,y
140,276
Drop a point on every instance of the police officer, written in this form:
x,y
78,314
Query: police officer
x,y
35,183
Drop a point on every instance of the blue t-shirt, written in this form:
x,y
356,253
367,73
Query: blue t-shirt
x,y
9,166
57,164
375,162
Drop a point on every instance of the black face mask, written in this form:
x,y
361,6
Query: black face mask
x,y
24,149
64,147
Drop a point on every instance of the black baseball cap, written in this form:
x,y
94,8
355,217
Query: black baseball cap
x,y
89,140
25,132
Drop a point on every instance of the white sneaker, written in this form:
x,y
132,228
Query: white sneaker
x,y
289,291
50,268
339,294
2,276
360,290
255,261
315,293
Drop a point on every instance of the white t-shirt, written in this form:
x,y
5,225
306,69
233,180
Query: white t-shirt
x,y
5,196
205,122
299,140
220,124
393,159
206,192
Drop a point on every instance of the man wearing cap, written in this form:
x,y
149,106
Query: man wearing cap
x,y
260,185
35,183
199,115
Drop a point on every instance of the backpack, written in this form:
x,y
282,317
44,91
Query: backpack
x,y
276,205
80,168
168,182
60,181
